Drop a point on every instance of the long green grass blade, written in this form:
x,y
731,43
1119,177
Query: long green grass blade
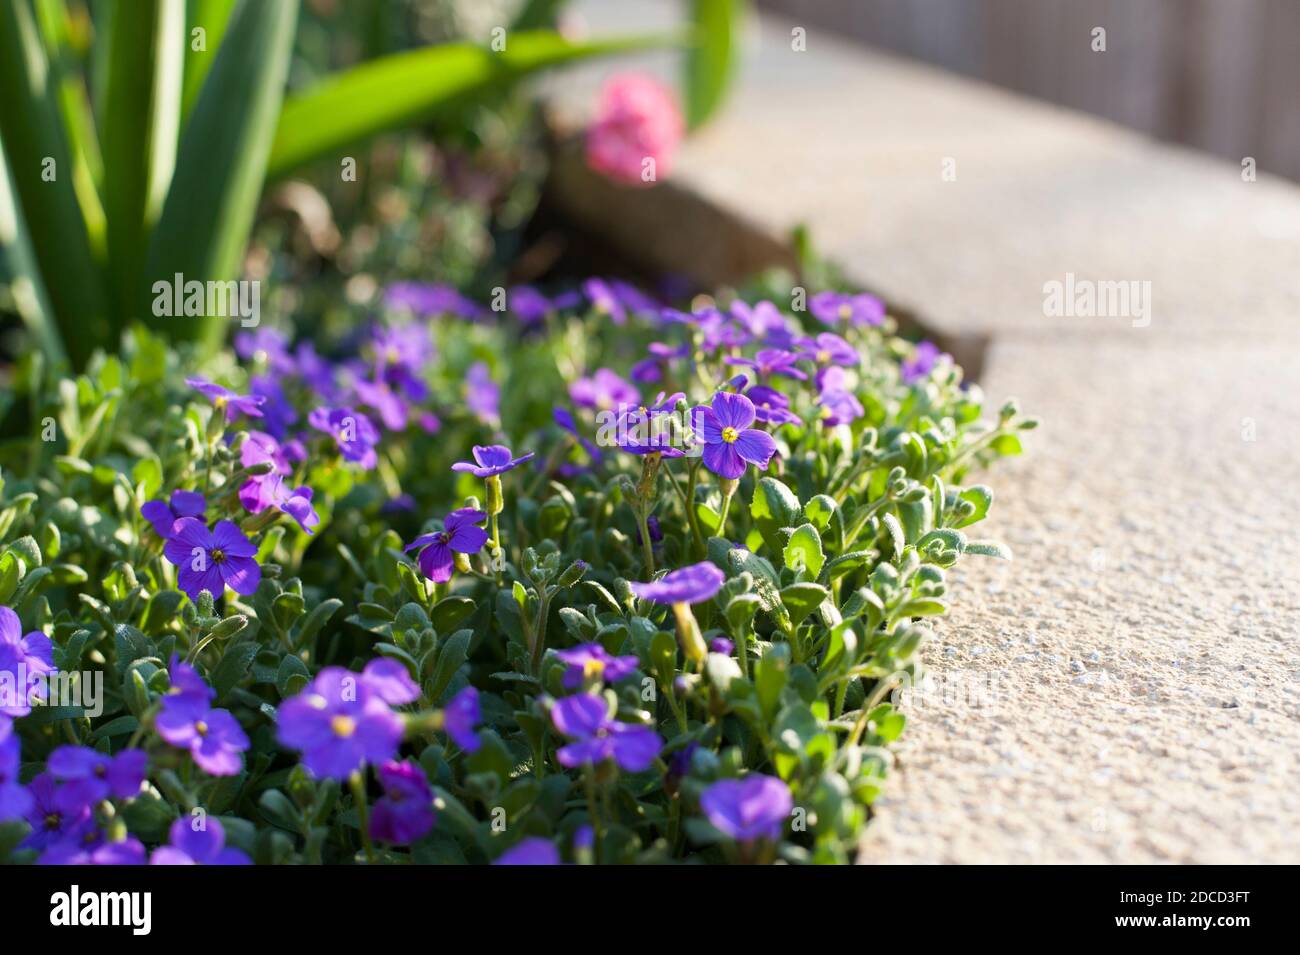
x,y
711,61
404,88
141,119
221,165
211,17
18,271
56,28
43,179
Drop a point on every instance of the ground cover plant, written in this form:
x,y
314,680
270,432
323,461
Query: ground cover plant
x,y
570,577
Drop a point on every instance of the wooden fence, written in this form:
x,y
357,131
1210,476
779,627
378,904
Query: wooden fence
x,y
1220,75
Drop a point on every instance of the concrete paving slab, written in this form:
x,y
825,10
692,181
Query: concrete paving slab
x,y
1128,690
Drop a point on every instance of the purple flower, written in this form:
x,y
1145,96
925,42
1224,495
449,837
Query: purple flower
x,y
764,322
687,585
49,820
483,395
839,407
339,722
827,348
429,299
564,419
269,490
921,363
605,299
771,407
15,800
585,719
278,413
183,504
603,391
531,851
89,777
212,560
729,442
772,361
216,741
389,680
460,716
86,845
24,660
384,401
459,535
405,812
722,645
718,331
352,431
402,352
591,661
268,345
205,845
491,460
225,400
527,304
832,307
646,430
755,807
214,738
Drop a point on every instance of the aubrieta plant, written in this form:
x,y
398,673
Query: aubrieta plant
x,y
596,582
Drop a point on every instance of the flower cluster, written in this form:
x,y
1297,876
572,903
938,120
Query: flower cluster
x,y
454,588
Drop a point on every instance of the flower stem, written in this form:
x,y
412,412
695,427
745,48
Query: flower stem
x,y
597,825
358,785
693,518
728,492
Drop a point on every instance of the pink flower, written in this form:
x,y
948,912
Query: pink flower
x,y
636,119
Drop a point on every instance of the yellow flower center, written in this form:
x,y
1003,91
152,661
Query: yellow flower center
x,y
343,726
593,668
823,356
845,311
218,555
730,435
201,728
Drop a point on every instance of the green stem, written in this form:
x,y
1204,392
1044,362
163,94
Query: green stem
x,y
358,785
691,517
647,549
597,824
728,492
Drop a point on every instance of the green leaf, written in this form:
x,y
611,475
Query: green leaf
x,y
897,538
222,162
711,60
770,677
774,506
981,498
140,123
233,667
452,653
311,624
1007,445
803,599
804,551
212,17
450,611
42,167
405,88
989,549
291,676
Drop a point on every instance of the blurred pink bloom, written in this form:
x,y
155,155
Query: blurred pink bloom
x,y
636,119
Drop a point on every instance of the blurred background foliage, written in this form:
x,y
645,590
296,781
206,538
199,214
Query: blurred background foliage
x,y
127,156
